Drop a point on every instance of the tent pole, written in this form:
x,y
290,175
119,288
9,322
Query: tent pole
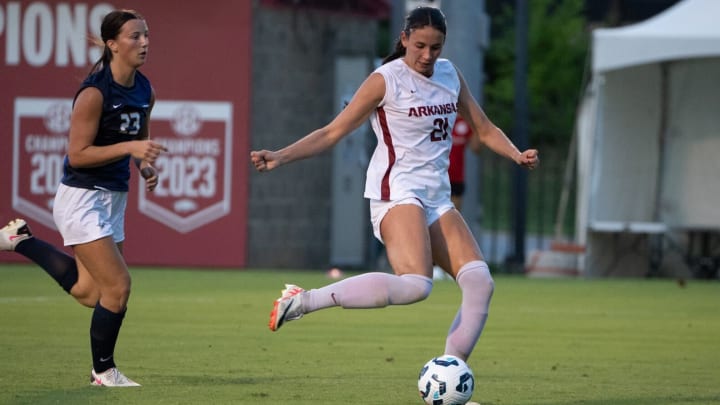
x,y
567,183
662,138
572,156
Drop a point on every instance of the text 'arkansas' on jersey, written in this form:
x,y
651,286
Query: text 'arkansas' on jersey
x,y
430,110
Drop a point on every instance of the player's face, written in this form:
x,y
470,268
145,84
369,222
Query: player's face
x,y
131,44
423,47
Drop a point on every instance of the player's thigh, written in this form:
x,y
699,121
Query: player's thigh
x,y
407,242
104,263
453,244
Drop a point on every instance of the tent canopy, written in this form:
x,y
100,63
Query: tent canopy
x,y
648,133
689,29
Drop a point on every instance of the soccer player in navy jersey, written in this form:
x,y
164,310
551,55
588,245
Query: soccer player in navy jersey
x,y
108,129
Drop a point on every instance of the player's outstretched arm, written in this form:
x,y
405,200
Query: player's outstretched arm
x,y
363,103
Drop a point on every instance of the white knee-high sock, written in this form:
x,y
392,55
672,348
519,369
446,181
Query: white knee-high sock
x,y
477,288
369,290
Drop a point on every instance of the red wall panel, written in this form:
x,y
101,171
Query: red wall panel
x,y
199,64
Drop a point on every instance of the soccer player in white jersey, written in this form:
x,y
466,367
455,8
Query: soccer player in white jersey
x,y
412,101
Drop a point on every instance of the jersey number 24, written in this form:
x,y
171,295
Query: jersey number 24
x,y
439,132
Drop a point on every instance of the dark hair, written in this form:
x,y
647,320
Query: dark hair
x,y
418,18
110,28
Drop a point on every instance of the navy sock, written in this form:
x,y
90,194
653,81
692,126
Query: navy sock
x,y
58,264
104,330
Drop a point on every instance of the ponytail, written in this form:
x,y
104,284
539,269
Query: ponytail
x,y
399,51
103,61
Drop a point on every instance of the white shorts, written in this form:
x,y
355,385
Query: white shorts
x,y
83,215
379,208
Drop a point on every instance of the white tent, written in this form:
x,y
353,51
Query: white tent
x,y
649,145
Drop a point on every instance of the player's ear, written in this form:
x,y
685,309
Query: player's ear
x,y
112,44
404,38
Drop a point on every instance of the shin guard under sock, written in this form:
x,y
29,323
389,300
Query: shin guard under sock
x,y
477,287
58,264
369,290
104,330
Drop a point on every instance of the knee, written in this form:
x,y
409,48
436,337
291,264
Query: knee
x,y
476,276
118,293
424,292
487,282
123,291
420,286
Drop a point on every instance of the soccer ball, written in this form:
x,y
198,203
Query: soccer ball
x,y
446,380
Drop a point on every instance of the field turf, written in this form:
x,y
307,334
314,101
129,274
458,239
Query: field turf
x,y
201,337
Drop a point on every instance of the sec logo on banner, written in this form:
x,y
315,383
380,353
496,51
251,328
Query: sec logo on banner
x,y
40,132
195,173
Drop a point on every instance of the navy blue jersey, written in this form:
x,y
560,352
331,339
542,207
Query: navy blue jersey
x,y
124,112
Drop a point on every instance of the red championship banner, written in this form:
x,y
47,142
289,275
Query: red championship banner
x,y
197,214
195,174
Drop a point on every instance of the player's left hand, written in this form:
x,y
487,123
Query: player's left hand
x,y
529,159
151,178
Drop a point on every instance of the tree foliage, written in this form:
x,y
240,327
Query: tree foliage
x,y
557,52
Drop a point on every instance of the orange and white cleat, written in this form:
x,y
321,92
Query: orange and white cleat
x,y
287,308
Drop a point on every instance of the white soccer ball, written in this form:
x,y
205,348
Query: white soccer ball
x,y
446,380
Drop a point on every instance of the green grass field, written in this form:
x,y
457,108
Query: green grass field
x,y
201,337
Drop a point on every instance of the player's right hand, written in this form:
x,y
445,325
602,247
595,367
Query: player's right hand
x,y
264,160
147,150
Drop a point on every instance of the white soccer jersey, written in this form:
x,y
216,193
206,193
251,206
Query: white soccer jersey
x,y
413,125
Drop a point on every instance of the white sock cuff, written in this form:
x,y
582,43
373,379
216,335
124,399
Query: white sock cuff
x,y
475,265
